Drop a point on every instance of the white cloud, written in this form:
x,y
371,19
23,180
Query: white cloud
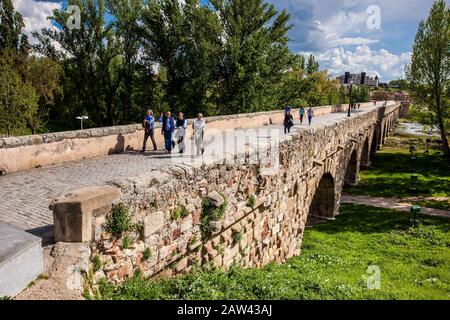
x,y
35,14
386,65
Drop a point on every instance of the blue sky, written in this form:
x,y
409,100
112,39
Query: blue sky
x,y
336,31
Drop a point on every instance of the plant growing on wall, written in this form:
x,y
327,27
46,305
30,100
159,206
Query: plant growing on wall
x,y
178,213
96,263
120,221
210,212
251,202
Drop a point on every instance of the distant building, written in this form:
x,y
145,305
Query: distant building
x,y
359,79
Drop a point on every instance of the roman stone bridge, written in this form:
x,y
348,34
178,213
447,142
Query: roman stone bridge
x,y
246,202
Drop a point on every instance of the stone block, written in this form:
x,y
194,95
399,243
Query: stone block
x,y
73,214
20,259
153,223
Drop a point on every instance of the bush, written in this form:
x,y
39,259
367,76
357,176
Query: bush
x,y
147,254
251,202
120,221
211,213
96,263
127,243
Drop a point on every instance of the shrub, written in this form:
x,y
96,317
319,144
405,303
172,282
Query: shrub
x,y
147,254
211,213
127,243
251,202
96,263
237,237
120,221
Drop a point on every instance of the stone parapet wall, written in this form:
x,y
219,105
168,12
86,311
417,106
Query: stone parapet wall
x,y
27,152
264,217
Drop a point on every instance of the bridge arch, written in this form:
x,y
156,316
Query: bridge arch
x,y
351,173
365,155
324,201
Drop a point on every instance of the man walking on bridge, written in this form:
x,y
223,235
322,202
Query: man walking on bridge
x,y
149,128
168,128
310,115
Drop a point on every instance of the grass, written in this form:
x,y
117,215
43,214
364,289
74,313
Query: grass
x,y
390,174
414,264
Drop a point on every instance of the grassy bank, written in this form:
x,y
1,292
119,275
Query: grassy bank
x,y
414,264
390,174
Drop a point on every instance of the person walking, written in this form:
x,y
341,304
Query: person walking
x,y
302,114
287,109
310,115
168,128
181,126
149,128
288,122
199,134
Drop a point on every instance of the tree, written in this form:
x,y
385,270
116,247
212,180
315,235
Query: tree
x,y
255,55
312,66
429,72
18,100
127,15
11,24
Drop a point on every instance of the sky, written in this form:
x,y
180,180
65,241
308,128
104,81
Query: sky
x,y
374,36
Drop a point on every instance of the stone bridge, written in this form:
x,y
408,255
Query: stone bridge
x,y
245,203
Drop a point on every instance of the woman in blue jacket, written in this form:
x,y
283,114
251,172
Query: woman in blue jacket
x,y
168,128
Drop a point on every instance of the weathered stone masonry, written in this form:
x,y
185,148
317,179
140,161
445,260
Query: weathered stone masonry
x,y
314,166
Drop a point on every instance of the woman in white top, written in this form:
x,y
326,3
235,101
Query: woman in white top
x,y
199,133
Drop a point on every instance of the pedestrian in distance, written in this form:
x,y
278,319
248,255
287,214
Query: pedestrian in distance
x,y
149,130
310,115
181,126
168,128
287,108
302,114
288,122
199,134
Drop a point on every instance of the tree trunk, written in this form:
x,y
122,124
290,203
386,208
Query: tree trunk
x,y
444,138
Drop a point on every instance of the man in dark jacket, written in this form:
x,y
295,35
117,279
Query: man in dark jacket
x,y
168,128
149,128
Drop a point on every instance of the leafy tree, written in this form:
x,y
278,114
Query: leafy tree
x,y
184,39
11,24
429,71
18,100
127,14
254,57
312,66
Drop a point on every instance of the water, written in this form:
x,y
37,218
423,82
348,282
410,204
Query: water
x,y
416,129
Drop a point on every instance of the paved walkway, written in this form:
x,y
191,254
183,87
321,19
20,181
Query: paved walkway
x,y
393,204
25,196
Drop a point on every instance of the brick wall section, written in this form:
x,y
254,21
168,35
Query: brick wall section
x,y
312,168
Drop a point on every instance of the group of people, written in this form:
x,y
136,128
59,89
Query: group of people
x,y
174,132
289,118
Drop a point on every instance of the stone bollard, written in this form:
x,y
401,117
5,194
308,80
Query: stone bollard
x,y
74,214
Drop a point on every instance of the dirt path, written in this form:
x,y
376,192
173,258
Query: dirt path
x,y
391,203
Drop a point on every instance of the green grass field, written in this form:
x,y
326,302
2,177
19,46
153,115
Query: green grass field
x,y
390,174
414,264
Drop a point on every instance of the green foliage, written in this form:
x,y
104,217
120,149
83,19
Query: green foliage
x,y
18,100
178,213
127,243
333,265
237,237
120,221
11,25
97,263
251,202
429,72
211,213
147,254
